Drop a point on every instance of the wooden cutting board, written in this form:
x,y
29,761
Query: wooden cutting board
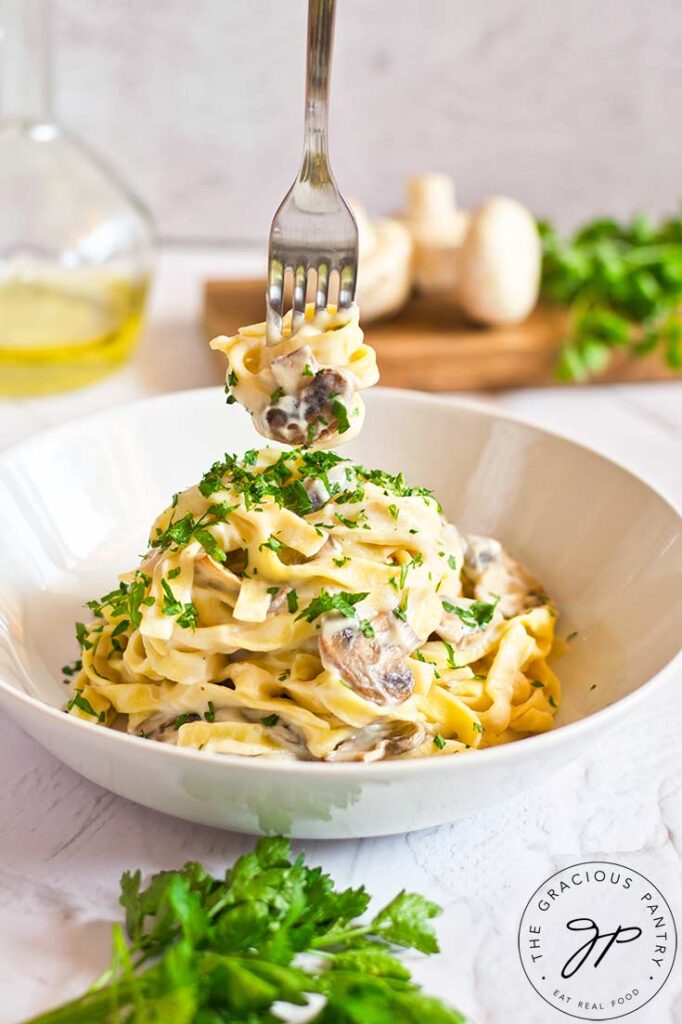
x,y
429,346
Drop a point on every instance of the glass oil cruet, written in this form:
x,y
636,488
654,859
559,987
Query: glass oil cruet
x,y
75,245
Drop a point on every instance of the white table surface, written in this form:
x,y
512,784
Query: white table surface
x,y
64,842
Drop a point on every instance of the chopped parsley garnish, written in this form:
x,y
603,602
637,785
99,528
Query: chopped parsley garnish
x,y
210,545
400,611
84,705
476,616
536,684
367,629
341,416
438,741
451,654
326,602
270,720
393,511
82,636
186,615
276,395
174,573
272,543
210,714
231,381
351,524
477,726
552,702
452,562
296,498
340,562
183,720
292,601
72,670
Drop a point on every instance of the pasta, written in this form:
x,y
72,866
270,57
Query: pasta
x,y
294,604
303,389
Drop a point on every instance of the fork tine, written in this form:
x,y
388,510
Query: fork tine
x,y
300,287
322,289
275,301
347,284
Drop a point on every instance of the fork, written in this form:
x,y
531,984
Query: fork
x,y
313,229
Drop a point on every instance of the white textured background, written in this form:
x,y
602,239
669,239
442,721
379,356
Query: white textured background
x,y
575,107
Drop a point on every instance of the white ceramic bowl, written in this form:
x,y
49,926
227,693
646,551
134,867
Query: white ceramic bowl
x,y
75,509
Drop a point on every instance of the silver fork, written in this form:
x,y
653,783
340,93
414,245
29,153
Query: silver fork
x,y
313,229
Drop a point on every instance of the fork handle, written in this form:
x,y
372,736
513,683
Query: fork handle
x,y
320,39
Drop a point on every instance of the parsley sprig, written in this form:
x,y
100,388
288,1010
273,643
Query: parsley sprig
x,y
623,286
225,949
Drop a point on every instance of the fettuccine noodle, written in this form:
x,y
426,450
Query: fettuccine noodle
x,y
303,389
296,605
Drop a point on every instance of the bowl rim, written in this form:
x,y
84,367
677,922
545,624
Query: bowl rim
x,y
377,770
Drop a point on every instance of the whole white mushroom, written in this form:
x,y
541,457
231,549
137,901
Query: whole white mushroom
x,y
385,265
500,263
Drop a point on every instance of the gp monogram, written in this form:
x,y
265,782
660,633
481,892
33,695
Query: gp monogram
x,y
597,940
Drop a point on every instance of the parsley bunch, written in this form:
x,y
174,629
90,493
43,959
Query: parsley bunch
x,y
623,285
205,950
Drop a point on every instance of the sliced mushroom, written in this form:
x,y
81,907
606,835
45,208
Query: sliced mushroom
x,y
470,640
292,371
309,415
480,554
378,740
277,601
373,666
161,726
496,575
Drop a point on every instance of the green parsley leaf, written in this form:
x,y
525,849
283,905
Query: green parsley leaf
x,y
174,573
452,562
475,616
341,416
405,921
452,663
83,704
393,511
270,720
209,715
272,543
342,602
438,741
82,636
210,545
292,601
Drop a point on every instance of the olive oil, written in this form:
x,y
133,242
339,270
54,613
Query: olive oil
x,y
65,329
